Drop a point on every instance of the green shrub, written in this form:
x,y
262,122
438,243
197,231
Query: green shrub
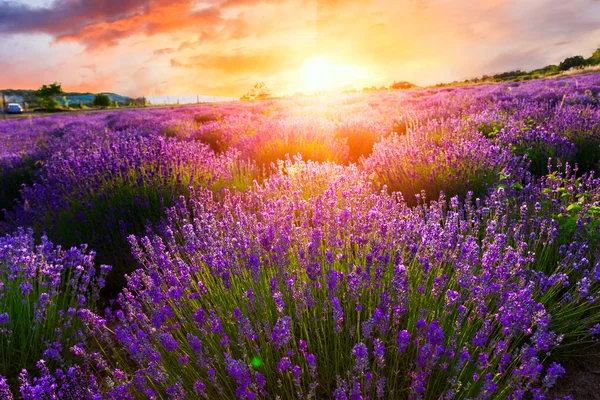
x,y
102,100
490,129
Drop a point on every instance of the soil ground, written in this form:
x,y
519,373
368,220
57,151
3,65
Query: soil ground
x,y
582,377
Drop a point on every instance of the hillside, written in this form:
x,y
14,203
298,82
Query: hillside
x,y
69,98
87,98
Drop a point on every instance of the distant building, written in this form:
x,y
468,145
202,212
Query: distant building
x,y
14,99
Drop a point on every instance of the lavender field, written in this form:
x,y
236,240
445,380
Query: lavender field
x,y
423,244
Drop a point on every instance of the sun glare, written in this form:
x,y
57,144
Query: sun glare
x,y
320,74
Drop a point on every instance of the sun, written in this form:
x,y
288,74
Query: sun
x,y
319,74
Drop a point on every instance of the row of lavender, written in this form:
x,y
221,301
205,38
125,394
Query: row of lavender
x,y
305,280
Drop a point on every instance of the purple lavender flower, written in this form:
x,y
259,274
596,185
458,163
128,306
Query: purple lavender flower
x,y
245,329
5,393
482,361
200,317
367,328
356,393
312,367
283,364
176,391
331,276
238,370
26,288
361,360
261,382
302,347
452,297
403,340
488,388
199,388
279,303
339,394
225,341
555,371
167,340
338,314
379,352
281,334
380,387
296,375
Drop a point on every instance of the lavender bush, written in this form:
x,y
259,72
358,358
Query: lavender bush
x,y
100,194
324,295
432,243
452,163
43,289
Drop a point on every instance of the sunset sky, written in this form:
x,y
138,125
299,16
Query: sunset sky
x,y
222,47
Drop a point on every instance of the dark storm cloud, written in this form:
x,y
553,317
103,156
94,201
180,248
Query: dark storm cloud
x,y
64,15
98,23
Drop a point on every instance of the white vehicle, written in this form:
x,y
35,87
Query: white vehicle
x,y
14,108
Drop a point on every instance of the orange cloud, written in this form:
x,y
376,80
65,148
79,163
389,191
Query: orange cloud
x,y
166,50
156,19
262,61
247,3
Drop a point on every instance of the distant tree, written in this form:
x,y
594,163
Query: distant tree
x,y
47,94
595,58
140,102
572,62
551,68
509,75
258,92
403,85
101,100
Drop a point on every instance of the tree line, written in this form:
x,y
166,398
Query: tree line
x,y
574,62
47,98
